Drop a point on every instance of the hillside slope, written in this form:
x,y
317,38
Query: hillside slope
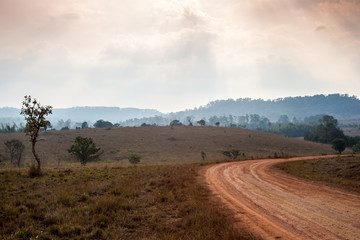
x,y
166,144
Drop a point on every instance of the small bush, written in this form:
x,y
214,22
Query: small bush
x,y
226,154
203,155
134,158
234,154
339,145
34,171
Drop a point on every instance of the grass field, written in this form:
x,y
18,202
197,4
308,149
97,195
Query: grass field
x,y
165,144
161,198
343,172
140,202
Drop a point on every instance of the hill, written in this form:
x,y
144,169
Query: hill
x,y
107,200
166,144
92,114
80,114
340,106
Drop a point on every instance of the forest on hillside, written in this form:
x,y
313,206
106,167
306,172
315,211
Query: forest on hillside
x,y
341,106
242,112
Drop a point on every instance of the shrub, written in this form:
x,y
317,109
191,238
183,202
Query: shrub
x,y
203,155
84,149
134,158
201,122
234,153
15,148
355,148
339,144
226,153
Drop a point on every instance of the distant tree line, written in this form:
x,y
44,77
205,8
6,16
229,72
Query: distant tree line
x,y
283,126
317,128
328,131
338,105
7,128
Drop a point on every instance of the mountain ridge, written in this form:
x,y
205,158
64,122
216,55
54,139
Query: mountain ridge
x,y
341,106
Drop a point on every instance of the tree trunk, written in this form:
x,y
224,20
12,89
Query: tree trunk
x,y
35,154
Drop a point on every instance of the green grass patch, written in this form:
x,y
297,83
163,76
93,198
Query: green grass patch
x,y
140,202
340,171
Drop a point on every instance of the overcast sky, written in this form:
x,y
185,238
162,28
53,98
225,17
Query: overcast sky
x,y
171,55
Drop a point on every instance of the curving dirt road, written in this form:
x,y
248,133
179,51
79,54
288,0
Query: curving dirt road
x,y
277,206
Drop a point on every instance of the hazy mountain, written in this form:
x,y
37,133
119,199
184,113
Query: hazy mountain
x,y
112,114
10,115
80,114
340,106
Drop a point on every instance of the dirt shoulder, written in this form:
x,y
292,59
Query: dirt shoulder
x,y
274,205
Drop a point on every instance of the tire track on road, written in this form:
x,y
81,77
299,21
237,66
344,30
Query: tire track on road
x,y
275,205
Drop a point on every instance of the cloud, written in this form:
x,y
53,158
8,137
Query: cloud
x,y
165,51
320,28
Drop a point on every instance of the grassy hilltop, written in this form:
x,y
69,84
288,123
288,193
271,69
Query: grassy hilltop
x,y
167,145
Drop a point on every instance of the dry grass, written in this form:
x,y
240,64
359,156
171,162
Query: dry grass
x,y
146,202
342,172
113,200
167,145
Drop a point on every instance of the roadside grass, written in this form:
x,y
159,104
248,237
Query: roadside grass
x,y
343,172
137,202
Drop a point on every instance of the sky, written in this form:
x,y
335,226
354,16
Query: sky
x,y
173,55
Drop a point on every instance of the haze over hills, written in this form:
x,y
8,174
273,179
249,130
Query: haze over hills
x,y
80,114
342,107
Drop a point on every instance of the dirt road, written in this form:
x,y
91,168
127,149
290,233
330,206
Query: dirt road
x,y
277,206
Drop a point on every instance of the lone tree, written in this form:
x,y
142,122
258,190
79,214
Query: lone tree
x,y
175,123
35,119
134,158
84,149
16,149
48,125
201,122
103,124
84,125
339,144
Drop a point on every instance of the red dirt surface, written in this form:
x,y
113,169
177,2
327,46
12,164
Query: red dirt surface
x,y
273,205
